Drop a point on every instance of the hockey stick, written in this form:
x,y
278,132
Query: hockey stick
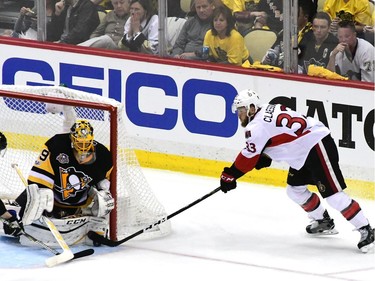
x,y
77,255
67,253
102,240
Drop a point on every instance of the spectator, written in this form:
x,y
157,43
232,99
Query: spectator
x,y
190,39
26,24
74,20
349,10
353,57
141,31
318,50
246,12
304,20
109,33
226,44
275,56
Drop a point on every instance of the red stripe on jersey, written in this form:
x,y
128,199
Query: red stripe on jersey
x,y
312,203
284,138
327,171
351,211
245,164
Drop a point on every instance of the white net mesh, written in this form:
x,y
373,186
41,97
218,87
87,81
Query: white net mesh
x,y
27,125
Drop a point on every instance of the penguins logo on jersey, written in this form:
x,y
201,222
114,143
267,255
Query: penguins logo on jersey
x,y
72,182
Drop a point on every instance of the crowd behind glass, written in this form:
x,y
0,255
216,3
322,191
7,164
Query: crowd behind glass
x,y
332,36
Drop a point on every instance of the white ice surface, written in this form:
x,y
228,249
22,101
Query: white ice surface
x,y
252,233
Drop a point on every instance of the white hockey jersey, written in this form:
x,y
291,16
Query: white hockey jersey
x,y
361,66
282,134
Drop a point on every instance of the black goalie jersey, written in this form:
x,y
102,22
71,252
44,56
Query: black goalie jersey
x,y
58,169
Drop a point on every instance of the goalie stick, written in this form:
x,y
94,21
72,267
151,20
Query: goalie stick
x,y
98,239
67,253
77,255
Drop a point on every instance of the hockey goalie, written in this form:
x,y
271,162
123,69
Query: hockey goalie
x,y
68,183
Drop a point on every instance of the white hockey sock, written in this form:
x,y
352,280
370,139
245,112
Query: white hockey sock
x,y
301,195
349,208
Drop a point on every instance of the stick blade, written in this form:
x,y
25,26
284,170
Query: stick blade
x,y
83,253
100,240
59,259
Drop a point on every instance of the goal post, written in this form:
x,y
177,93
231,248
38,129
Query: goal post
x,y
30,115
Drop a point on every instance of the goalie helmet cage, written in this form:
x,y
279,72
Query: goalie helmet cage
x,y
30,115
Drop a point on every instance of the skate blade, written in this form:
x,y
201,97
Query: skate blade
x,y
367,248
325,232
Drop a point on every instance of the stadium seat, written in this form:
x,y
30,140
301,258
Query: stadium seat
x,y
174,26
186,5
258,41
101,15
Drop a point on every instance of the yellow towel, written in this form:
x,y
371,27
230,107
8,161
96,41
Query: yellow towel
x,y
320,71
258,65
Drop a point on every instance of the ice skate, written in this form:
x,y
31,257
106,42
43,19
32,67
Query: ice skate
x,y
324,226
367,238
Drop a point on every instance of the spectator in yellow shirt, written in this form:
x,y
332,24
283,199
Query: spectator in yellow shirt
x,y
225,43
348,10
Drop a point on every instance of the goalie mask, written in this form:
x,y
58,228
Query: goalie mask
x,y
82,137
3,144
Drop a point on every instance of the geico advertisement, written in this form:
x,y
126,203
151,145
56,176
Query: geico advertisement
x,y
187,111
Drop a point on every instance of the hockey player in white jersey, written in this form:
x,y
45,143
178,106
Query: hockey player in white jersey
x,y
276,133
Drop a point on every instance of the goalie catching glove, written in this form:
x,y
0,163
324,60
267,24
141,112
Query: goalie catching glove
x,y
38,201
103,202
228,178
12,226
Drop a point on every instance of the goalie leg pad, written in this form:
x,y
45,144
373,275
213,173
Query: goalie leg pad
x,y
73,230
38,200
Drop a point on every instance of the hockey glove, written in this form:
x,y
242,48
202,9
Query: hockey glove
x,y
13,226
228,178
103,203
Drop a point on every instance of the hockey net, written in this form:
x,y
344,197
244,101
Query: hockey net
x,y
27,121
